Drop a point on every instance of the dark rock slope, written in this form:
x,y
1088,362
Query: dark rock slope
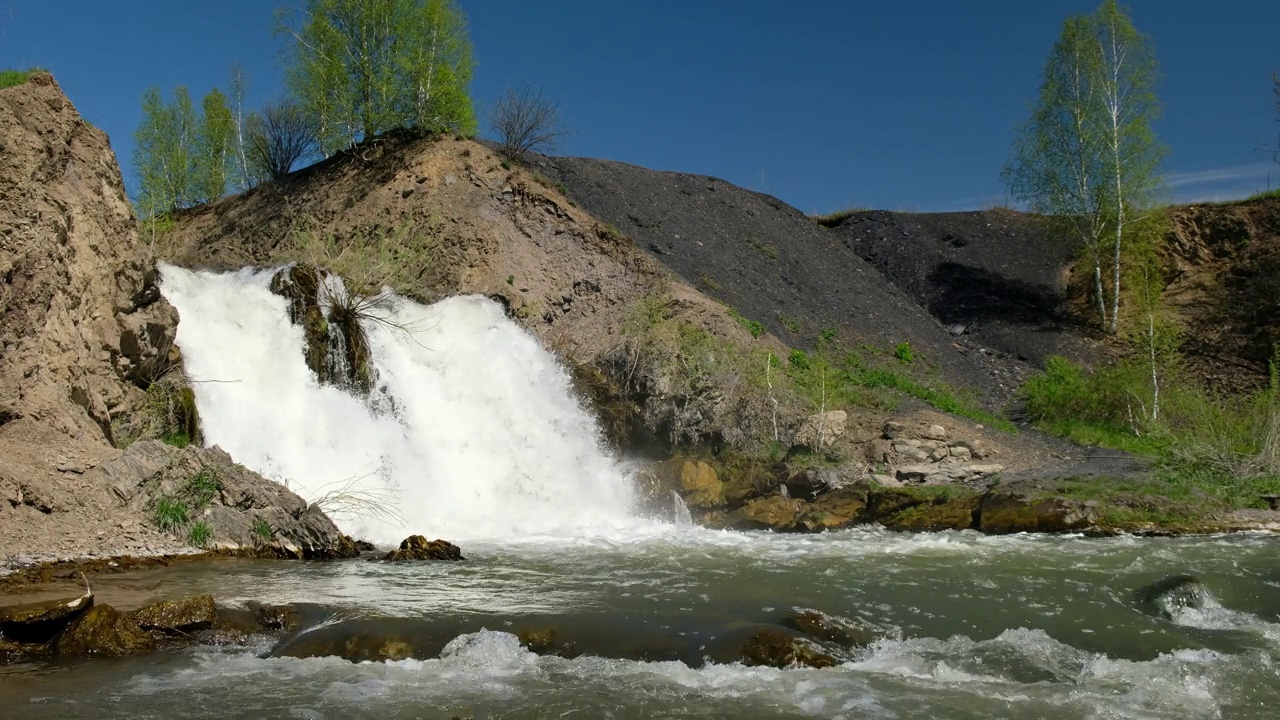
x,y
764,258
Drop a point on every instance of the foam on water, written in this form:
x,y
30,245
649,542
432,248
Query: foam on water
x,y
486,439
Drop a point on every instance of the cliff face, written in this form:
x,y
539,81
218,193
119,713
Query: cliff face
x,y
83,325
83,333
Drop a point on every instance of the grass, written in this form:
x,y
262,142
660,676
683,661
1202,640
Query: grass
x,y
10,78
709,282
755,327
792,325
176,439
902,351
1264,195
1209,451
203,487
170,514
199,534
262,532
768,250
831,220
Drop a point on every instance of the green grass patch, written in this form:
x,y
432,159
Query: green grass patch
x,y
262,532
831,220
755,327
170,514
203,487
199,534
177,439
768,251
1264,195
10,78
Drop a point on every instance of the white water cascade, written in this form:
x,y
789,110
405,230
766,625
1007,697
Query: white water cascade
x,y
484,438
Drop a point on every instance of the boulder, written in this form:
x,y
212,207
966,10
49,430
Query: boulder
x,y
178,617
15,652
780,648
1171,595
103,630
879,451
771,513
417,547
808,484
935,432
954,512
837,509
1009,512
699,485
40,622
818,431
832,629
893,430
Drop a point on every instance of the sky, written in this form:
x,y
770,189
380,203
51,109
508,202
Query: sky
x,y
826,104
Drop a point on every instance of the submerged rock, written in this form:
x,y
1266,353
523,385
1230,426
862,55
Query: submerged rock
x,y
40,622
103,630
830,628
778,647
178,617
1173,594
14,652
417,547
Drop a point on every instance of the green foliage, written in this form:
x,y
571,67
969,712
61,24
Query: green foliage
x,y
262,531
199,534
902,351
177,439
564,189
506,164
511,279
362,67
791,325
181,158
753,326
170,514
10,78
709,281
1225,446
1088,159
203,487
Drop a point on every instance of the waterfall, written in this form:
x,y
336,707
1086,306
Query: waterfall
x,y
472,430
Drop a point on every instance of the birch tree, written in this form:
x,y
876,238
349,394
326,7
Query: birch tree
x,y
213,148
238,90
163,152
1087,158
362,67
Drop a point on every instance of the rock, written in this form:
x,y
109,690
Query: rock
x,y
776,647
879,451
829,628
40,622
820,430
271,617
417,547
771,513
960,453
985,470
103,630
887,480
837,509
1168,597
937,454
913,473
14,652
935,432
893,430
1007,512
699,485
365,640
975,448
178,617
954,511
808,484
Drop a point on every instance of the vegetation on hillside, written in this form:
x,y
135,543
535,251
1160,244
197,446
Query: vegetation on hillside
x,y
9,78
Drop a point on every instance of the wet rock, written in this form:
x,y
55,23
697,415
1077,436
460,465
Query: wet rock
x,y
833,629
275,617
14,652
771,513
837,509
1173,594
417,547
780,648
103,630
699,485
545,641
369,640
40,622
178,617
953,511
808,484
1003,513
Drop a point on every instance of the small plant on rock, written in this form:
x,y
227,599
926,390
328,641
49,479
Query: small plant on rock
x,y
203,486
262,532
199,534
902,351
170,514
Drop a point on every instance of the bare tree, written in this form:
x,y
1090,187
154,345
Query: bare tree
x,y
525,120
277,138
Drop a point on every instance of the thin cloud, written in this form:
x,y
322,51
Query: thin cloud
x,y
1214,176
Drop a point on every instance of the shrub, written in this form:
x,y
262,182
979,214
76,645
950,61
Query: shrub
x,y
203,486
902,351
262,532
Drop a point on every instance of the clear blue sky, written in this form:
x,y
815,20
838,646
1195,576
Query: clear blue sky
x,y
823,103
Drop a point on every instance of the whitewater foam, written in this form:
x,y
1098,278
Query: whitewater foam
x,y
486,440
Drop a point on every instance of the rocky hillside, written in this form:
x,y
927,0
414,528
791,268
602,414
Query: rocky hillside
x,y
85,335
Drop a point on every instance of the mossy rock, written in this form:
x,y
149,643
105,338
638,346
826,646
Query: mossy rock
x,y
417,547
178,617
105,631
780,648
1007,512
771,513
40,622
828,628
840,508
942,513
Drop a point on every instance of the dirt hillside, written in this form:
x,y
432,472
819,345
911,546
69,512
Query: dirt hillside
x,y
83,333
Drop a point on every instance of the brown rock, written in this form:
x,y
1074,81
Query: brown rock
x,y
771,513
828,628
417,547
837,509
178,617
1004,513
820,430
40,622
942,513
103,630
776,647
699,485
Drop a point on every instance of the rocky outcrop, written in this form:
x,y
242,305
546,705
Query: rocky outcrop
x,y
37,623
1013,512
178,617
929,455
417,547
103,631
240,509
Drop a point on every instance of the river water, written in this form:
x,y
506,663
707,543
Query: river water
x,y
975,627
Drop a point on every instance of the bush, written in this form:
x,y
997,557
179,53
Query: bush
x,y
902,351
199,534
170,514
